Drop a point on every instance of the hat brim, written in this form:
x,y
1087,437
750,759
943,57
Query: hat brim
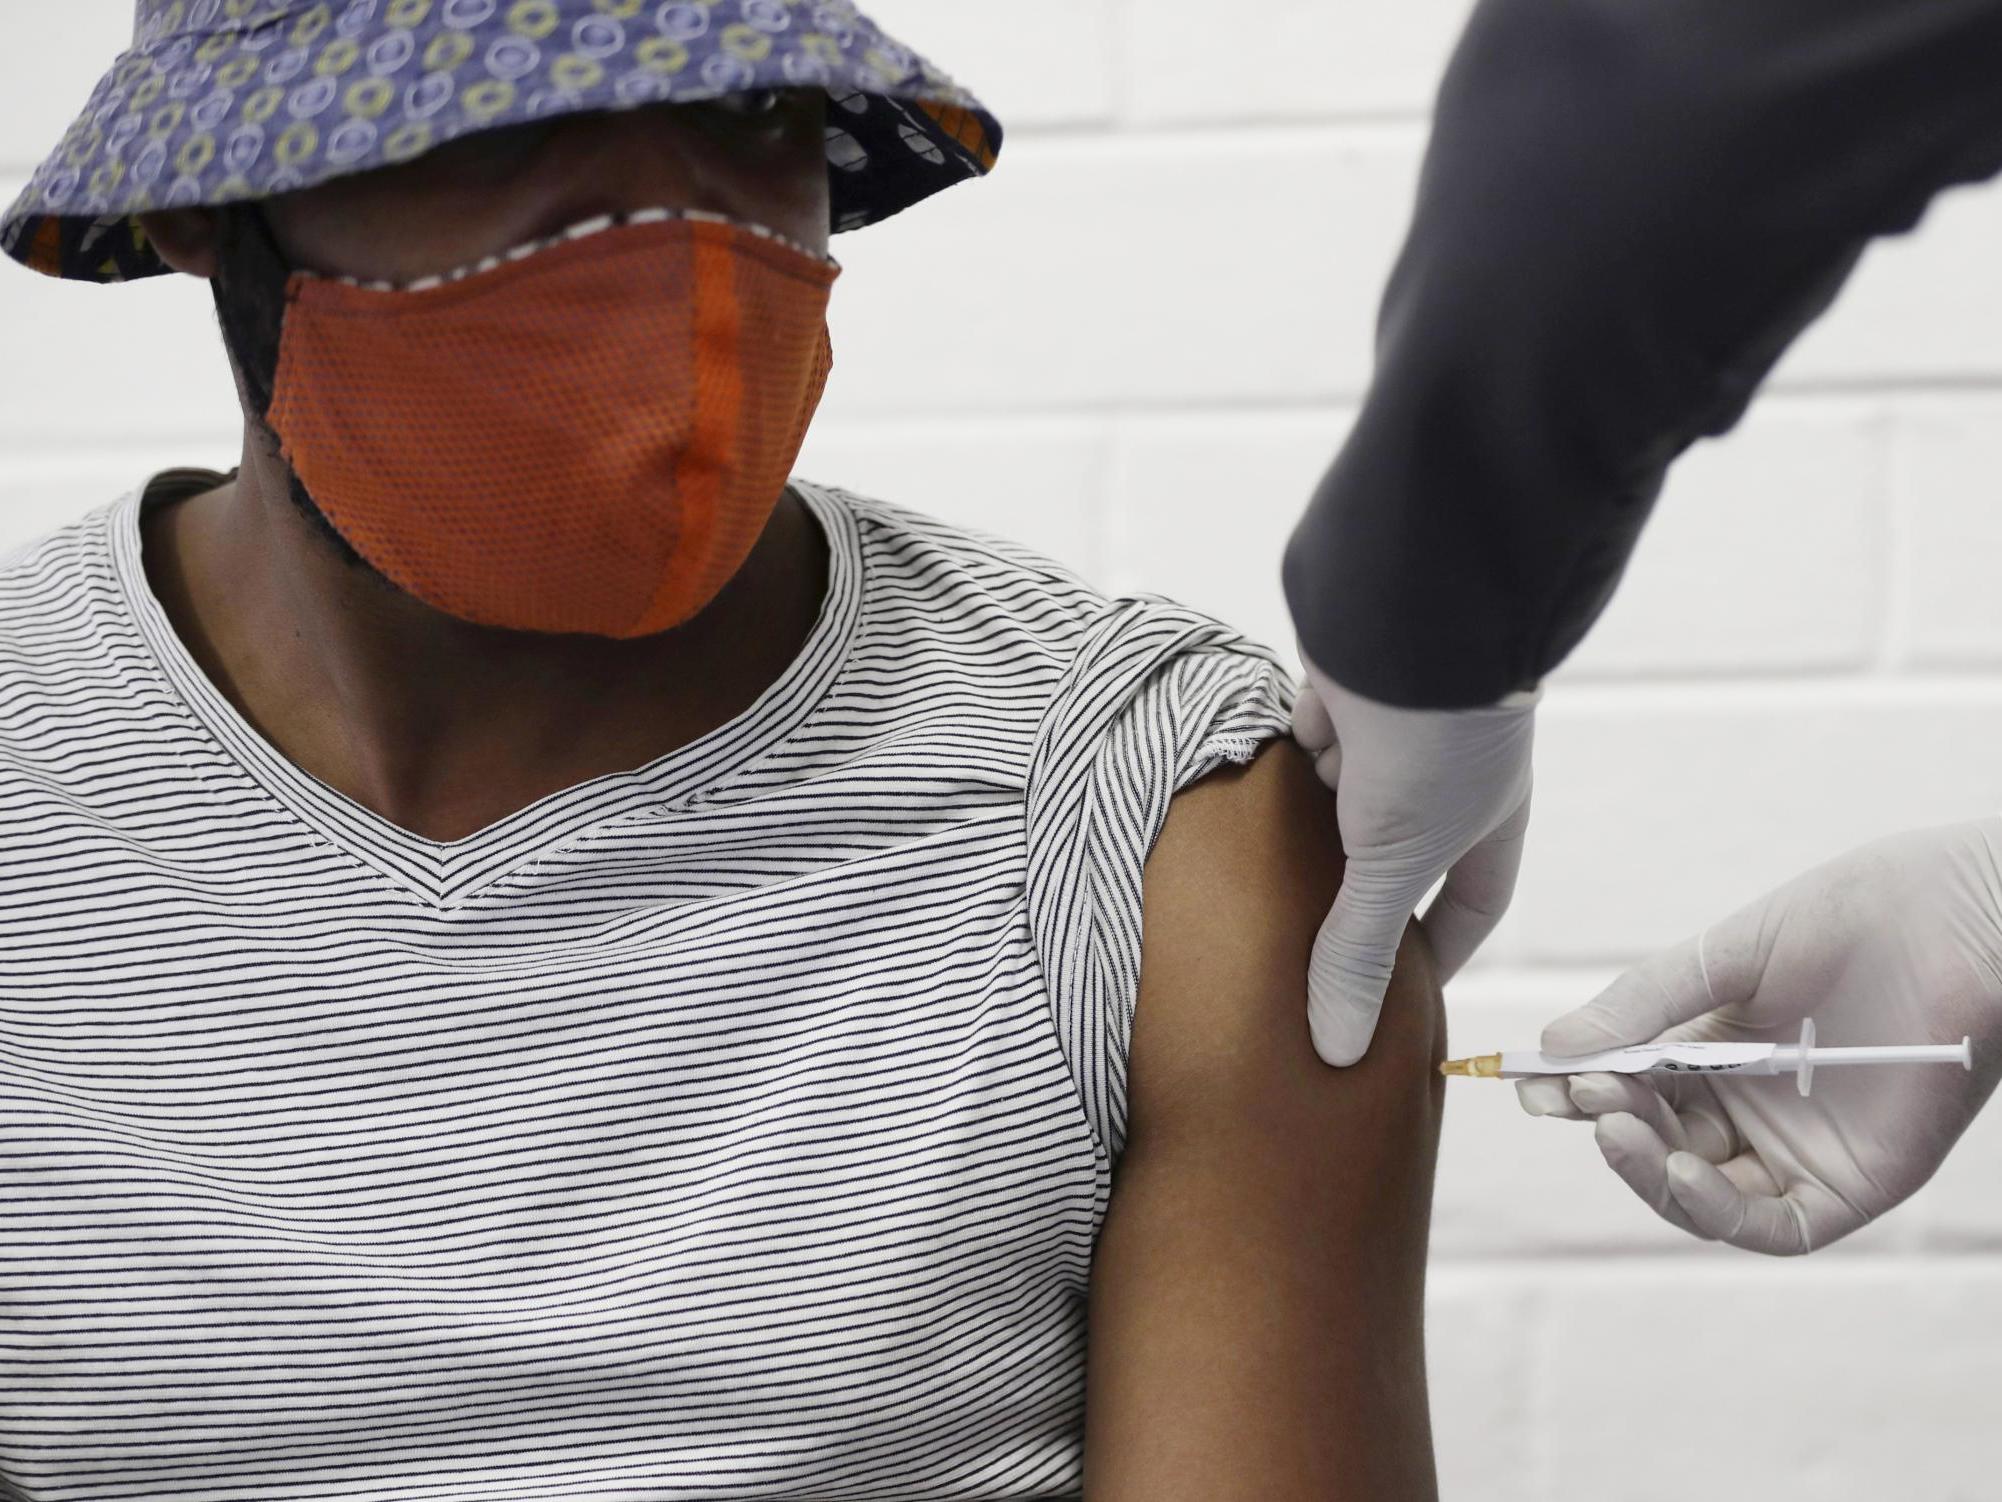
x,y
276,103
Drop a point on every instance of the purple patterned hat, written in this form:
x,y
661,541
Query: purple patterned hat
x,y
223,100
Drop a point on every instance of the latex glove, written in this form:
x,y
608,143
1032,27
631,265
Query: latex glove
x,y
1897,942
1420,794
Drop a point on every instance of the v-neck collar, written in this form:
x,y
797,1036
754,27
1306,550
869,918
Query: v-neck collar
x,y
445,874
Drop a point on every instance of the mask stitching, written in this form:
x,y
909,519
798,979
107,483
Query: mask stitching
x,y
580,231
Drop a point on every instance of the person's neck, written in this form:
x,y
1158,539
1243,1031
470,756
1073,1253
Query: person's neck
x,y
440,726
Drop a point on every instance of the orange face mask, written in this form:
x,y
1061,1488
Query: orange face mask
x,y
585,437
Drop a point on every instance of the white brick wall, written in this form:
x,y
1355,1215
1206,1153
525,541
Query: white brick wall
x,y
1137,347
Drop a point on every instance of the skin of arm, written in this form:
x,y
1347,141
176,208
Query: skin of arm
x,y
1257,1291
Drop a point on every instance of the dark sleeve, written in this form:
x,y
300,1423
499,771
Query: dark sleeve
x,y
1627,212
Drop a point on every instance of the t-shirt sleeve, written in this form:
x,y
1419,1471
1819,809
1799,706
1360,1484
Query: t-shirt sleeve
x,y
1157,696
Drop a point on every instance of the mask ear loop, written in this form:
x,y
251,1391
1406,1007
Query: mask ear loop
x,y
249,289
260,226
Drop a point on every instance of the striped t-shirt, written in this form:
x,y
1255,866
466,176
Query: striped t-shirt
x,y
735,1127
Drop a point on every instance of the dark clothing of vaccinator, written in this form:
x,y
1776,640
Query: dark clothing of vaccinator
x,y
1627,212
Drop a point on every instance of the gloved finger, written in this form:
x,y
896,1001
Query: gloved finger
x,y
1353,954
1477,893
1635,1151
1775,1224
1749,1174
1612,1094
1707,1128
1602,1094
1313,727
1546,1095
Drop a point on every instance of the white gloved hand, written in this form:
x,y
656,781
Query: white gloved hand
x,y
1419,794
1897,942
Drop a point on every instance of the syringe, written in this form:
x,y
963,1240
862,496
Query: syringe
x,y
1800,1060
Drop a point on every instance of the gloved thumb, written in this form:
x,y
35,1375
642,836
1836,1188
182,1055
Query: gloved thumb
x,y
1666,989
1353,956
1716,968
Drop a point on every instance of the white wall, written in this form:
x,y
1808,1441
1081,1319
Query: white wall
x,y
1137,346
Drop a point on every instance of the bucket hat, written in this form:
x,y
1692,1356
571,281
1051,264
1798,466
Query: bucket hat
x,y
219,101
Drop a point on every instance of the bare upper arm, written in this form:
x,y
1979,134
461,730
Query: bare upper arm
x,y
1256,1317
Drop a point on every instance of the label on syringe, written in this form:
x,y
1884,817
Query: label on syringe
x,y
1680,1058
1677,1066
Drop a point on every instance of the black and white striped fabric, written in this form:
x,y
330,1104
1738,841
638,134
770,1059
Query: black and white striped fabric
x,y
735,1127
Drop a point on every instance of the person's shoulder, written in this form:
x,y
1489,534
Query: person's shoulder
x,y
38,571
909,544
898,522
1245,869
61,601
955,569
